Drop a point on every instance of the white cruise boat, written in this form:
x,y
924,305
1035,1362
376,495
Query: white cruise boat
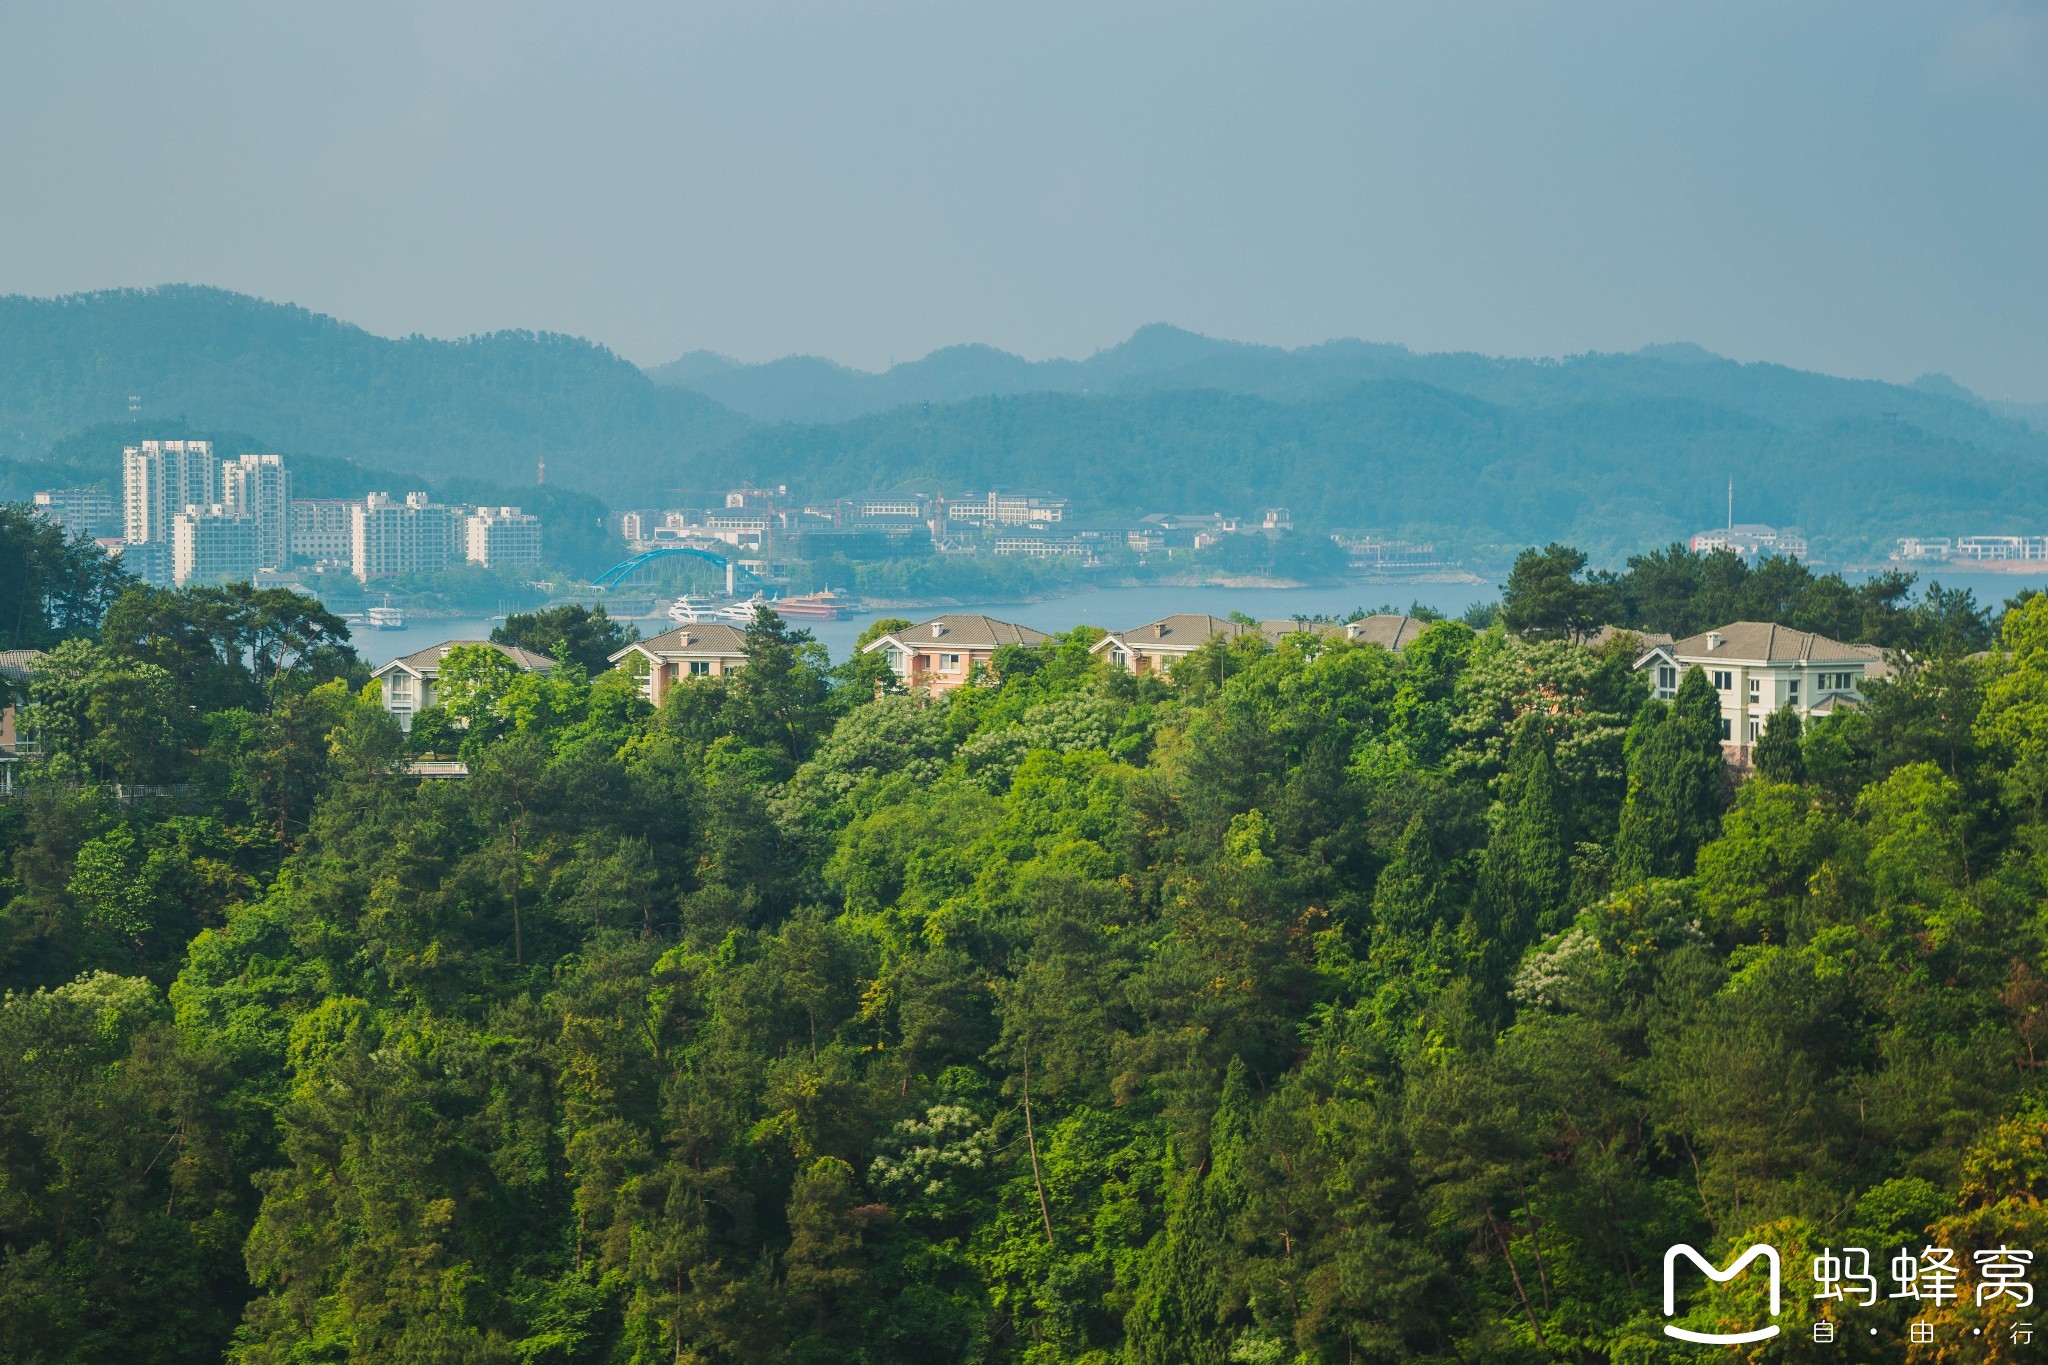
x,y
688,611
742,613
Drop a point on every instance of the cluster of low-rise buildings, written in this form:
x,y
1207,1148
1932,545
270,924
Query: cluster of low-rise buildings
x,y
1751,540
1976,550
1756,668
1003,522
186,516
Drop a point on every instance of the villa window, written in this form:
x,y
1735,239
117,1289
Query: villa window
x,y
1755,728
1667,678
1723,680
1727,729
700,668
949,663
1756,689
1792,691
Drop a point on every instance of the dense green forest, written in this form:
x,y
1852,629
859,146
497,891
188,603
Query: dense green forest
x,y
1614,452
1315,1004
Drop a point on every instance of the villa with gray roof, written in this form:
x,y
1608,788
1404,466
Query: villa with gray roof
x,y
1157,645
1390,631
941,654
407,684
702,649
1757,668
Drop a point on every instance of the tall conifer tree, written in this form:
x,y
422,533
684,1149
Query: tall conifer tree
x,y
1677,786
1525,876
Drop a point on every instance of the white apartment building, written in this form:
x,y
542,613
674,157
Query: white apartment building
x,y
1757,667
212,543
1007,509
1751,540
260,487
496,537
160,479
80,511
2000,548
387,537
1924,547
1042,545
893,505
742,530
320,533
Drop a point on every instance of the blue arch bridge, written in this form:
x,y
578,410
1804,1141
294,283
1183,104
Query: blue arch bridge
x,y
619,573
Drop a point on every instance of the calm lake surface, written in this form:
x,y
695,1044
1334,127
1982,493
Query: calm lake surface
x,y
1121,608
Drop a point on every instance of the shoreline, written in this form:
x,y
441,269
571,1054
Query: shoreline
x,y
869,605
872,605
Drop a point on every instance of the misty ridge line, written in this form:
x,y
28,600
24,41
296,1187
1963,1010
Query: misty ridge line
x,y
1612,452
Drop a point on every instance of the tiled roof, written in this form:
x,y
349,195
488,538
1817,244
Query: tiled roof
x,y
1183,631
1277,630
1762,642
17,664
1877,668
1388,632
1646,639
1189,631
968,632
427,662
698,637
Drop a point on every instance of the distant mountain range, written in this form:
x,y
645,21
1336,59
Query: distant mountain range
x,y
1161,358
490,407
1615,452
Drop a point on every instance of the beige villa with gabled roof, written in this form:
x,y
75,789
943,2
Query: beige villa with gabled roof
x,y
1757,667
407,684
1157,645
941,654
701,649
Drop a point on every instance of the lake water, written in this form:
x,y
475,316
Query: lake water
x,y
1111,608
1121,608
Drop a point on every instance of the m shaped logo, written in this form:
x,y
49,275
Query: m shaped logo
x,y
1735,1267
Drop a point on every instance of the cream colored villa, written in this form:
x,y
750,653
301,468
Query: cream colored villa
x,y
407,684
702,649
1757,668
941,654
1157,645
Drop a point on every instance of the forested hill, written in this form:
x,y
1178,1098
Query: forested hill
x,y
488,407
1616,475
1615,453
1309,1004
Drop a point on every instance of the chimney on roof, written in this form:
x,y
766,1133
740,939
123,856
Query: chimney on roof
x,y
1714,640
937,630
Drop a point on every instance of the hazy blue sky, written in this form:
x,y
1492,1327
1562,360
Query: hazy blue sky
x,y
1860,187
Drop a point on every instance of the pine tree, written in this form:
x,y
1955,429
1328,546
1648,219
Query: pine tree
x,y
1525,874
1185,1299
1779,756
1408,900
1677,785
